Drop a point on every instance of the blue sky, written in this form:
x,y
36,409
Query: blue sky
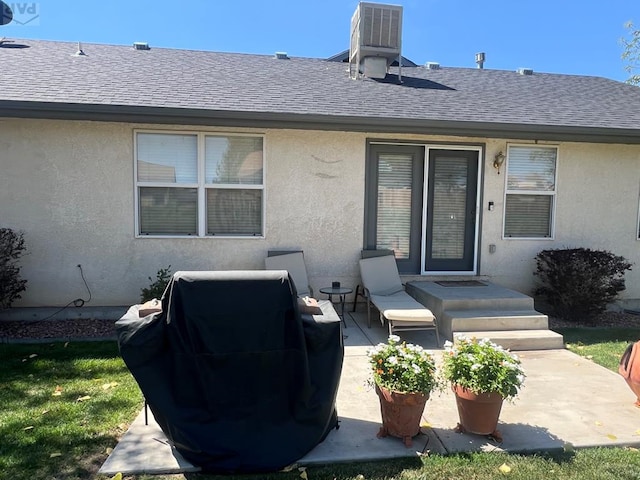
x,y
579,37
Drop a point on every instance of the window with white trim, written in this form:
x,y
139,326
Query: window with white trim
x,y
531,191
197,184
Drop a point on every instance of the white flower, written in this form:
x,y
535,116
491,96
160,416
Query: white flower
x,y
393,360
475,366
416,368
448,345
394,338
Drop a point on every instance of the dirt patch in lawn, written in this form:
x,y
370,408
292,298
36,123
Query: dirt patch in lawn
x,y
57,329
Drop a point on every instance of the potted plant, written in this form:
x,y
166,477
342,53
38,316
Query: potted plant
x,y
404,376
482,375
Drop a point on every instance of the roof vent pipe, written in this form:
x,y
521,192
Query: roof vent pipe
x,y
79,52
480,59
433,66
282,56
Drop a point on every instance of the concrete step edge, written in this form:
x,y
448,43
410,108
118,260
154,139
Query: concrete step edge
x,y
489,302
511,333
520,339
491,313
489,320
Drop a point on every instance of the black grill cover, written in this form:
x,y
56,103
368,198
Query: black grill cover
x,y
235,376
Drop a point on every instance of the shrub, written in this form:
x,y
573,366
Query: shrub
x,y
157,286
579,282
11,249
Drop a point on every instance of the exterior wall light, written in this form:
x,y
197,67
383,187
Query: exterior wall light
x,y
498,160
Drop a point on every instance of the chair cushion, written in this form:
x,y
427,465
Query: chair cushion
x,y
396,301
380,275
422,315
402,307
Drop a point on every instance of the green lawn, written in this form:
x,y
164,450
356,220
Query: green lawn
x,y
63,408
65,405
602,345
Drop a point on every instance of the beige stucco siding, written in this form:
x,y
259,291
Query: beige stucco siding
x,y
69,186
596,207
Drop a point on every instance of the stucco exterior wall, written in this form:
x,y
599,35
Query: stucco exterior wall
x,y
596,207
69,187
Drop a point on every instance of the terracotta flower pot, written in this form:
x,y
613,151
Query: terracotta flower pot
x,y
401,413
478,413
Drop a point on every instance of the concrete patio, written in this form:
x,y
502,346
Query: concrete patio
x,y
567,402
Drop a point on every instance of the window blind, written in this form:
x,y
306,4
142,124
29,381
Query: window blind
x,y
394,203
168,211
234,212
167,158
449,208
173,197
529,202
531,168
528,216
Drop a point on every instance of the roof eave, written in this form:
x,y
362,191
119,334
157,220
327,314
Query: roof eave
x,y
166,115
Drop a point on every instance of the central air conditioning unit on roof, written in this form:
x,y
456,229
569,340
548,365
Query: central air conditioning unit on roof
x,y
376,39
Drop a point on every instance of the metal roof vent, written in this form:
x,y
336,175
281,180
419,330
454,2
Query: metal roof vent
x,y
433,66
80,52
141,46
525,71
376,31
282,56
480,56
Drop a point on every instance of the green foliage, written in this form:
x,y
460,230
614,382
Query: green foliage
x,y
604,346
83,431
579,282
11,249
157,286
631,54
402,367
63,406
482,367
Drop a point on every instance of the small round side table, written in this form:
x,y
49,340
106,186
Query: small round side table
x,y
341,292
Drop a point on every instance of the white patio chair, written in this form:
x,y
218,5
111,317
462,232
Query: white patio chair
x,y
293,262
384,289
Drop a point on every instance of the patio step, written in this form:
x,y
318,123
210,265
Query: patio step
x,y
484,309
488,297
519,339
479,319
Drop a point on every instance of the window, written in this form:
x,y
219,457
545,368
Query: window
x,y
196,184
531,191
394,179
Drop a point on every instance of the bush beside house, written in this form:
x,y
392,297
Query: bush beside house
x,y
12,247
579,283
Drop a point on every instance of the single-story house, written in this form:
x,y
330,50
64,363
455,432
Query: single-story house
x,y
128,159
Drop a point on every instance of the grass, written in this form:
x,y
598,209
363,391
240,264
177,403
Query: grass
x,y
602,345
65,405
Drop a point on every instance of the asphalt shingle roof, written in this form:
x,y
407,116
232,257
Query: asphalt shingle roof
x,y
46,77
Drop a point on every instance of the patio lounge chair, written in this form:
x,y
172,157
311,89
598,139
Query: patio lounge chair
x,y
384,289
293,262
368,253
236,377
